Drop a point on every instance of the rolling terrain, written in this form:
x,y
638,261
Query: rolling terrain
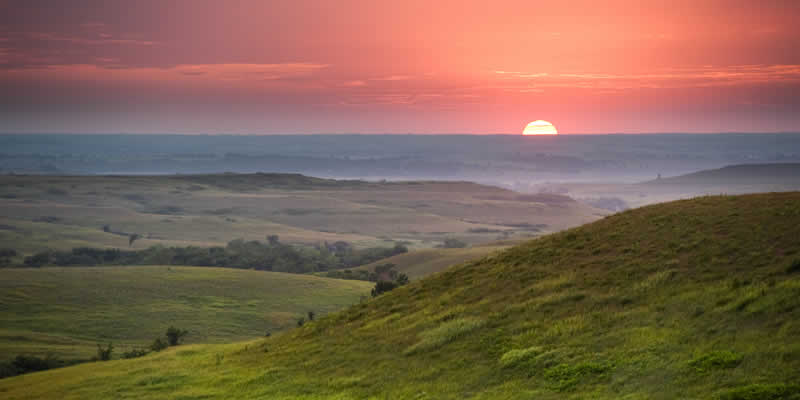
x,y
732,179
62,212
695,299
66,311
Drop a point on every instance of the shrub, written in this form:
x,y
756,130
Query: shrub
x,y
794,267
159,344
104,353
134,353
310,315
300,322
514,357
175,335
383,287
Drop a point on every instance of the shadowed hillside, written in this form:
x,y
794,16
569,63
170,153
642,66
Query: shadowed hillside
x,y
691,299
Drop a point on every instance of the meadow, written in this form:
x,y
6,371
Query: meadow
x,y
66,312
695,299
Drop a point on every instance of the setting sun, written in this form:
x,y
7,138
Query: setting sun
x,y
540,127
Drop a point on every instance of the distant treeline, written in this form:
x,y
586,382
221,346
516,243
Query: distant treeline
x,y
270,256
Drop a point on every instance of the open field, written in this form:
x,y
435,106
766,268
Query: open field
x,y
62,212
691,299
67,311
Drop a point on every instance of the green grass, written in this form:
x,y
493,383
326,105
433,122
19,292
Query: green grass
x,y
421,263
66,311
693,299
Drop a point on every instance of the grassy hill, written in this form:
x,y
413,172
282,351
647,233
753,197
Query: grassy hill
x,y
696,299
421,263
744,174
67,311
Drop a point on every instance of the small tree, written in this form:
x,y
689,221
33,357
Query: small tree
x,y
300,322
175,335
382,287
310,315
132,238
402,279
104,354
159,344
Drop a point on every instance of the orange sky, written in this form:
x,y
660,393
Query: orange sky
x,y
398,67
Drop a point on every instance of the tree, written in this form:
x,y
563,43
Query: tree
x,y
104,354
310,315
273,240
132,238
382,287
175,335
159,344
402,279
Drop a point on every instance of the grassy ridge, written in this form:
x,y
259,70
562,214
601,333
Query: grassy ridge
x,y
691,299
66,311
420,263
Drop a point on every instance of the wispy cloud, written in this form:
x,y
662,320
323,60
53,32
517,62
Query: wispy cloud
x,y
700,77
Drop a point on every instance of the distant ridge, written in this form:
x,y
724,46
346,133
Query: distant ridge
x,y
742,174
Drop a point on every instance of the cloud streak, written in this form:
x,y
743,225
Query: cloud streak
x,y
674,78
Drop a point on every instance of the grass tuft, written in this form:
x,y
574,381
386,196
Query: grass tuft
x,y
445,333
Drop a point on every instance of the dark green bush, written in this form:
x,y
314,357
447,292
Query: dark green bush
x,y
134,353
104,353
159,344
175,335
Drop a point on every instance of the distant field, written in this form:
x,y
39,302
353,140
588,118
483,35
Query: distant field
x,y
61,212
66,311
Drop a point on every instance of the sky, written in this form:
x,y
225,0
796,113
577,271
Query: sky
x,y
379,66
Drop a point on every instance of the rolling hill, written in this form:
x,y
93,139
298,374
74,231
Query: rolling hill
x,y
67,311
742,174
62,212
421,263
696,299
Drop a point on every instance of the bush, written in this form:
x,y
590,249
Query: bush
x,y
24,364
795,267
104,353
382,287
134,353
159,344
175,335
300,322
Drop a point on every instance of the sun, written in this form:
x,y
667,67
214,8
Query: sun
x,y
540,127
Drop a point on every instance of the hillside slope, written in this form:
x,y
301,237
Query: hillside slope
x,y
421,263
742,174
67,311
691,299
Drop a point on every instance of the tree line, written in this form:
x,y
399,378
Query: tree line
x,y
271,255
